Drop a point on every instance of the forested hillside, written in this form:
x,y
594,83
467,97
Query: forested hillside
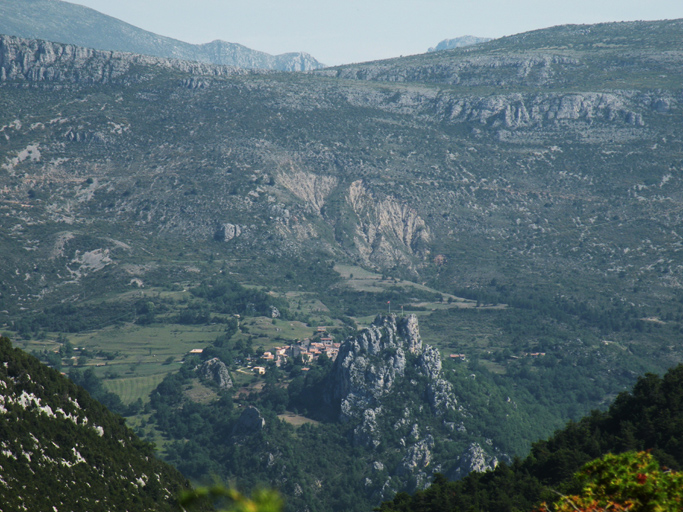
x,y
648,418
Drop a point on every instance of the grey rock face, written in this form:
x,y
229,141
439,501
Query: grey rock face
x,y
367,433
367,366
41,61
439,391
417,457
430,362
369,369
523,113
474,459
228,232
249,422
214,370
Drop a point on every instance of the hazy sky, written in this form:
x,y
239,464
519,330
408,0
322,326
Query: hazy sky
x,y
346,31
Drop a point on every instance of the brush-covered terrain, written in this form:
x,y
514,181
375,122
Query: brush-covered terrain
x,y
522,197
62,450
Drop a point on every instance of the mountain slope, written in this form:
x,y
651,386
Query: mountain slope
x,y
390,175
62,450
648,418
567,58
64,22
545,186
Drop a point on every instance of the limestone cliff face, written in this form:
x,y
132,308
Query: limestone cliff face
x,y
368,366
311,188
577,111
386,364
474,459
42,61
384,231
388,231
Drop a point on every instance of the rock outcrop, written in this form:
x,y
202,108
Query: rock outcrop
x,y
227,232
214,370
439,391
474,459
249,422
388,232
388,364
367,366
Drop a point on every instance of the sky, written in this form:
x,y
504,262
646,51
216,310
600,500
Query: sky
x,y
347,31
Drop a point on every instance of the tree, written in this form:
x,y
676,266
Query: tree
x,y
261,500
630,481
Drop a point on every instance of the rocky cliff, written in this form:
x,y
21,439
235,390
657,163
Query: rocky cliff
x,y
34,60
215,371
372,377
368,365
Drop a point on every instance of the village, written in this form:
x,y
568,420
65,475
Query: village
x,y
308,350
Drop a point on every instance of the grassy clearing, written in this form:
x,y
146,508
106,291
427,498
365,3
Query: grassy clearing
x,y
148,343
365,281
296,419
131,388
138,357
199,393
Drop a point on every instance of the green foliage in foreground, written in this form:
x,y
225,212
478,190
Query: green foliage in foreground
x,y
648,418
629,481
262,500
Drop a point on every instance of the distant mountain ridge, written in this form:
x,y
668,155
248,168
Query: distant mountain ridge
x,y
64,22
458,42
